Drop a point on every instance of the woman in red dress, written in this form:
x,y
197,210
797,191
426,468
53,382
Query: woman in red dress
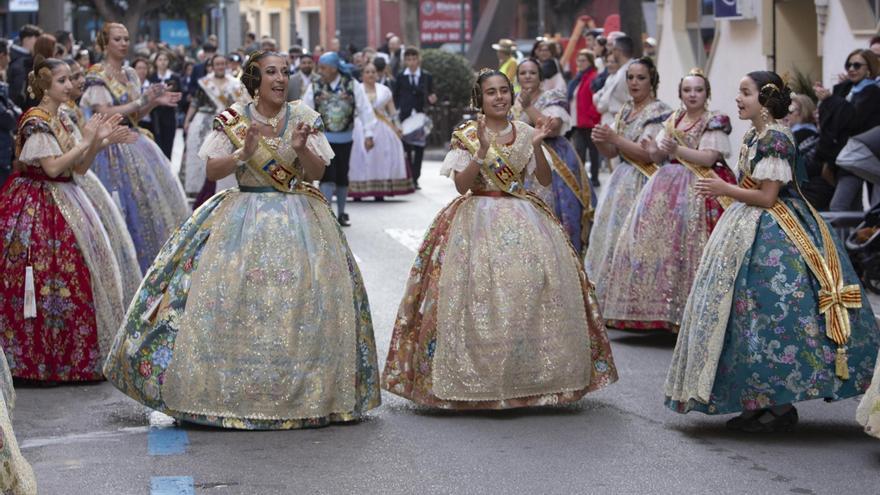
x,y
61,294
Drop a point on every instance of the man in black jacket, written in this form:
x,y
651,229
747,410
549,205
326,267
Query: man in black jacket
x,y
201,70
9,114
414,87
22,62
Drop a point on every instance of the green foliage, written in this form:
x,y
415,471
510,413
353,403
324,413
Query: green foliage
x,y
453,76
800,83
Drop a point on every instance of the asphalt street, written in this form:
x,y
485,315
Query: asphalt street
x,y
91,439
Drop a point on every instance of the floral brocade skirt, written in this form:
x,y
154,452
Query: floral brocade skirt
x,y
138,176
611,214
497,313
52,227
16,474
658,251
253,316
752,332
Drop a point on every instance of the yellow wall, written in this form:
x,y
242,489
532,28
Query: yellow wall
x,y
258,16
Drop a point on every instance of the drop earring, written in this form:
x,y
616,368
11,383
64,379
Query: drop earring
x,y
256,97
765,115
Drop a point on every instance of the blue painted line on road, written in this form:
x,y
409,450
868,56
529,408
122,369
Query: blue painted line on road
x,y
167,441
172,485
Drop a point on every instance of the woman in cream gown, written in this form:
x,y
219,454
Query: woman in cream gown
x,y
254,314
497,312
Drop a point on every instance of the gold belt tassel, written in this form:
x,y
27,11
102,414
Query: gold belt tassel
x,y
840,364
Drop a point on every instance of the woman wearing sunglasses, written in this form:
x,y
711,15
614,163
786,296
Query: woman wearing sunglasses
x,y
850,109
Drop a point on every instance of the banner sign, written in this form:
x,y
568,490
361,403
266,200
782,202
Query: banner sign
x,y
174,32
440,21
24,5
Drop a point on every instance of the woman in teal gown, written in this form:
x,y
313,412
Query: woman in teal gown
x,y
761,330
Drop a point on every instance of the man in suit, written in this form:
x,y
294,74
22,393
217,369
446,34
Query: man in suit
x,y
301,79
413,88
201,70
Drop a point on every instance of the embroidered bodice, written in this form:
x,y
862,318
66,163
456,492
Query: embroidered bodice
x,y
519,155
218,144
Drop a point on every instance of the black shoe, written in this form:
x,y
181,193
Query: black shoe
x,y
343,222
417,185
594,182
344,216
770,422
379,198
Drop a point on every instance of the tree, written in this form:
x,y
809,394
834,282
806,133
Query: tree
x,y
130,12
632,22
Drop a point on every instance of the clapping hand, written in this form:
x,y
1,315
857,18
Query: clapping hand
x,y
482,135
251,140
604,134
301,134
527,97
668,145
543,129
712,186
821,92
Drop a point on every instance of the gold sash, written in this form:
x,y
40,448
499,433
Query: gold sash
x,y
698,170
117,89
582,193
646,168
266,163
834,297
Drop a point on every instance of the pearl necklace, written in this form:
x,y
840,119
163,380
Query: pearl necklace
x,y
272,121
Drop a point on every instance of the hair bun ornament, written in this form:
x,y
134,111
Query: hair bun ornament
x,y
696,71
771,87
485,70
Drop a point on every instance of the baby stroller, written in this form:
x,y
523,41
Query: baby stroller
x,y
861,156
863,246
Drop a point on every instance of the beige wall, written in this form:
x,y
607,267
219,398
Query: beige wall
x,y
797,39
675,56
742,46
840,39
258,15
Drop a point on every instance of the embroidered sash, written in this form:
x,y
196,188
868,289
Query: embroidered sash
x,y
495,167
699,171
266,163
834,297
582,193
646,168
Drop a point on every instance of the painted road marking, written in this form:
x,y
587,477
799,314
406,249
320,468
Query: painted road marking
x,y
172,485
92,436
167,441
410,238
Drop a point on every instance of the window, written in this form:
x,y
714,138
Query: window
x,y
275,27
700,22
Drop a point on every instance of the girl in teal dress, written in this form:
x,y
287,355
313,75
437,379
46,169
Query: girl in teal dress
x,y
776,314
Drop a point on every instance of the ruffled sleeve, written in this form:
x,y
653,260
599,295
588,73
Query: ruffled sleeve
x,y
94,96
318,144
457,159
216,144
39,145
774,154
716,137
555,111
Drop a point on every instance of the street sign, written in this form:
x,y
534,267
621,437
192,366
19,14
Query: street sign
x,y
174,32
24,5
440,21
734,9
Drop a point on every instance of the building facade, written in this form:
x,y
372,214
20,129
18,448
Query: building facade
x,y
791,37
